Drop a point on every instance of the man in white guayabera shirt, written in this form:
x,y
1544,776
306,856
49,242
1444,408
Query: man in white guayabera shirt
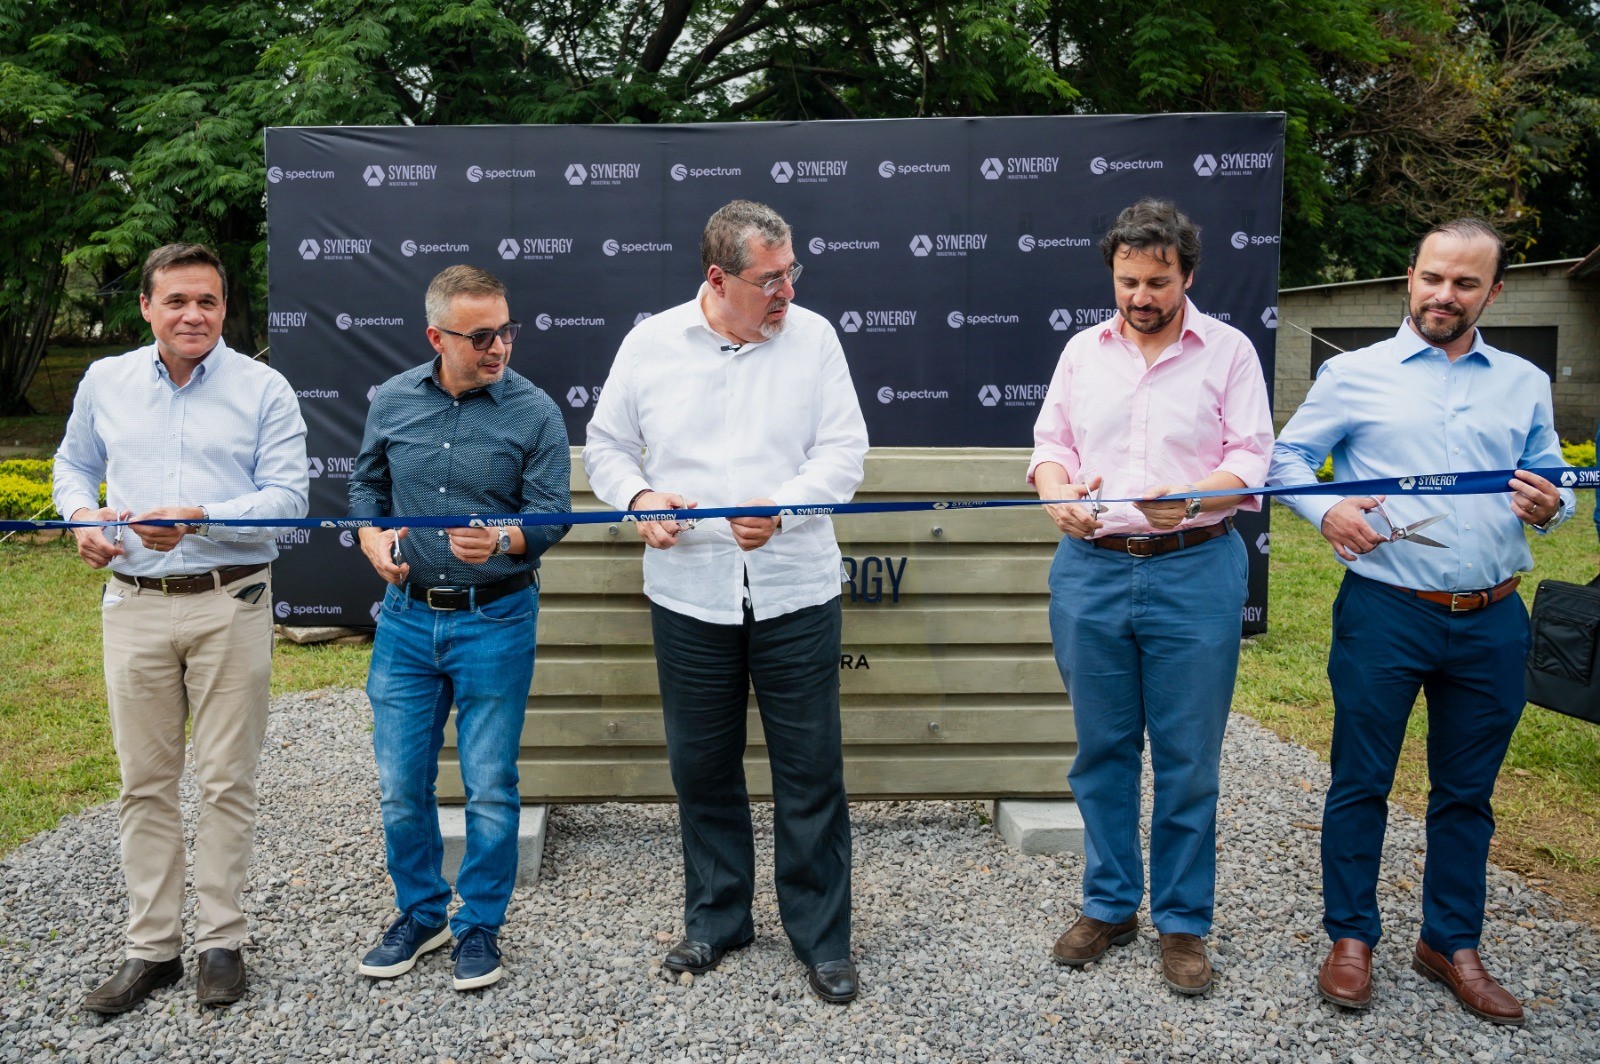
x,y
740,397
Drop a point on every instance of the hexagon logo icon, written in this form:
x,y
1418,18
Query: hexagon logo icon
x,y
373,176
577,396
992,169
313,467
377,608
1097,165
342,321
955,319
610,247
1240,240
678,171
1269,317
1264,543
509,248
850,321
1061,319
1205,164
921,246
1568,478
1407,483
308,249
408,248
371,392
989,395
817,245
1025,242
782,172
577,174
274,174
542,322
643,314
474,174
886,395
886,169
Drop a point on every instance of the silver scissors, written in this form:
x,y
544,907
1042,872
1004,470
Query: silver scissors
x,y
1096,507
1408,533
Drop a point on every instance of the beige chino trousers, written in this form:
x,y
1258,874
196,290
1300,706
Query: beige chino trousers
x,y
169,658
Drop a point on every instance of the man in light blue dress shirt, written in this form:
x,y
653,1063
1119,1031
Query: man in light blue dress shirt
x,y
185,430
1433,399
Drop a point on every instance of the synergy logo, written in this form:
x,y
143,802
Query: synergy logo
x,y
1269,317
476,174
850,321
545,322
809,171
1064,320
1019,167
345,321
956,319
887,168
643,314
1101,165
680,172
335,249
580,396
281,321
887,395
276,174
534,248
399,175
818,245
1242,240
1011,394
292,538
614,248
877,321
1061,320
1233,163
411,249
602,173
948,245
334,467
1027,242
372,391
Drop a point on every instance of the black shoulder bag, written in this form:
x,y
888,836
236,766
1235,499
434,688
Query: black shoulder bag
x,y
1563,668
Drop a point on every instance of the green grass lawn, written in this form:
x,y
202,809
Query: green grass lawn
x,y
55,745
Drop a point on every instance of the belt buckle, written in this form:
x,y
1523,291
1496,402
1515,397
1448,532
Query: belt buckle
x,y
445,589
164,590
1478,600
1129,542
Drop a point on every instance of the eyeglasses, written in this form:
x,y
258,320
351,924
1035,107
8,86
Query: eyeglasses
x,y
483,339
770,288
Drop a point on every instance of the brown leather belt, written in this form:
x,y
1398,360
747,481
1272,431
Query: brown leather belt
x,y
1165,542
1464,601
189,585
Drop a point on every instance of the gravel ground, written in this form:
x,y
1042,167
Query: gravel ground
x,y
952,934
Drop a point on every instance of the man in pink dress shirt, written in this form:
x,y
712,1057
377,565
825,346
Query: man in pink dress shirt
x,y
1145,598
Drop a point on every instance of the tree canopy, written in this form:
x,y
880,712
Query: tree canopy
x,y
125,125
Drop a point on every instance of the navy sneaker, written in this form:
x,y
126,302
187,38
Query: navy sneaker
x,y
477,960
406,939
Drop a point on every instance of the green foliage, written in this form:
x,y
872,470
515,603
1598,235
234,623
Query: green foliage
x,y
1579,454
24,499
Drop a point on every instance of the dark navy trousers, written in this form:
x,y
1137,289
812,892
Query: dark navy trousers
x,y
706,672
1388,645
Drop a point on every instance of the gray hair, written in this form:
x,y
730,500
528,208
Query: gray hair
x,y
1154,225
453,281
726,239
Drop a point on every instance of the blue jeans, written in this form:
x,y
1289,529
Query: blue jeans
x,y
1387,646
1149,644
423,660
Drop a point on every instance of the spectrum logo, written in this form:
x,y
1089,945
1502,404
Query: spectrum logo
x,y
887,169
1242,240
956,319
535,248
476,174
1026,242
345,322
614,248
276,174
335,249
681,172
545,322
818,245
809,171
887,395
1101,165
411,249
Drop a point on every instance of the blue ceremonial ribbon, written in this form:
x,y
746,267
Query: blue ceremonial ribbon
x,y
1484,482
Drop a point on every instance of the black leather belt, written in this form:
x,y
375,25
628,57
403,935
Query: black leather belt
x,y
1163,542
189,585
461,597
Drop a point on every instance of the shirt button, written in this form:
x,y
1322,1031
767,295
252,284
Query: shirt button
x,y
441,491
1458,450
447,446
1469,565
457,402
440,532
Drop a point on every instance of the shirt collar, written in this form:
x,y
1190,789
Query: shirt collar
x,y
430,375
698,320
1195,324
201,369
1409,344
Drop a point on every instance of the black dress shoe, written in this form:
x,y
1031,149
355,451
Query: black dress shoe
x,y
696,957
135,980
834,981
221,977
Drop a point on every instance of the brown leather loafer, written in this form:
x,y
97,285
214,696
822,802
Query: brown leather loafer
x,y
1472,985
1346,975
221,980
1087,940
1184,964
135,980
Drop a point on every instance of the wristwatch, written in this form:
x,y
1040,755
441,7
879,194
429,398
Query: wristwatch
x,y
1191,509
502,542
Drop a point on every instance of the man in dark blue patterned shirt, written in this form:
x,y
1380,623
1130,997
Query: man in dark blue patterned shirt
x,y
463,434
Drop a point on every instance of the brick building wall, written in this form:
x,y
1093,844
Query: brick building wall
x,y
1540,294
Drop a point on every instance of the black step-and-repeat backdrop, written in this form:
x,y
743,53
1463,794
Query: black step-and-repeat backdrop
x,y
954,256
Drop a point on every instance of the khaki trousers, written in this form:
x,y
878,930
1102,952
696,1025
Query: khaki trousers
x,y
169,658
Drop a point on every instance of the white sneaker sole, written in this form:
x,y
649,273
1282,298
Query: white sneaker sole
x,y
479,982
389,971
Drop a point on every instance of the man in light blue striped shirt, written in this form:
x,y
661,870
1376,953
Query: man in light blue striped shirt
x,y
185,430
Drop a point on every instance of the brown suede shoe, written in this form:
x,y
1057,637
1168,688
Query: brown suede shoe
x,y
1346,976
133,982
1473,986
1087,940
1184,964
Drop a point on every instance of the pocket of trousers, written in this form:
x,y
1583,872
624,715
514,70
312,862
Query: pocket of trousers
x,y
1565,645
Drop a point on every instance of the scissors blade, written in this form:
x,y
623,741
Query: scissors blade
x,y
1096,508
1414,527
1412,537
